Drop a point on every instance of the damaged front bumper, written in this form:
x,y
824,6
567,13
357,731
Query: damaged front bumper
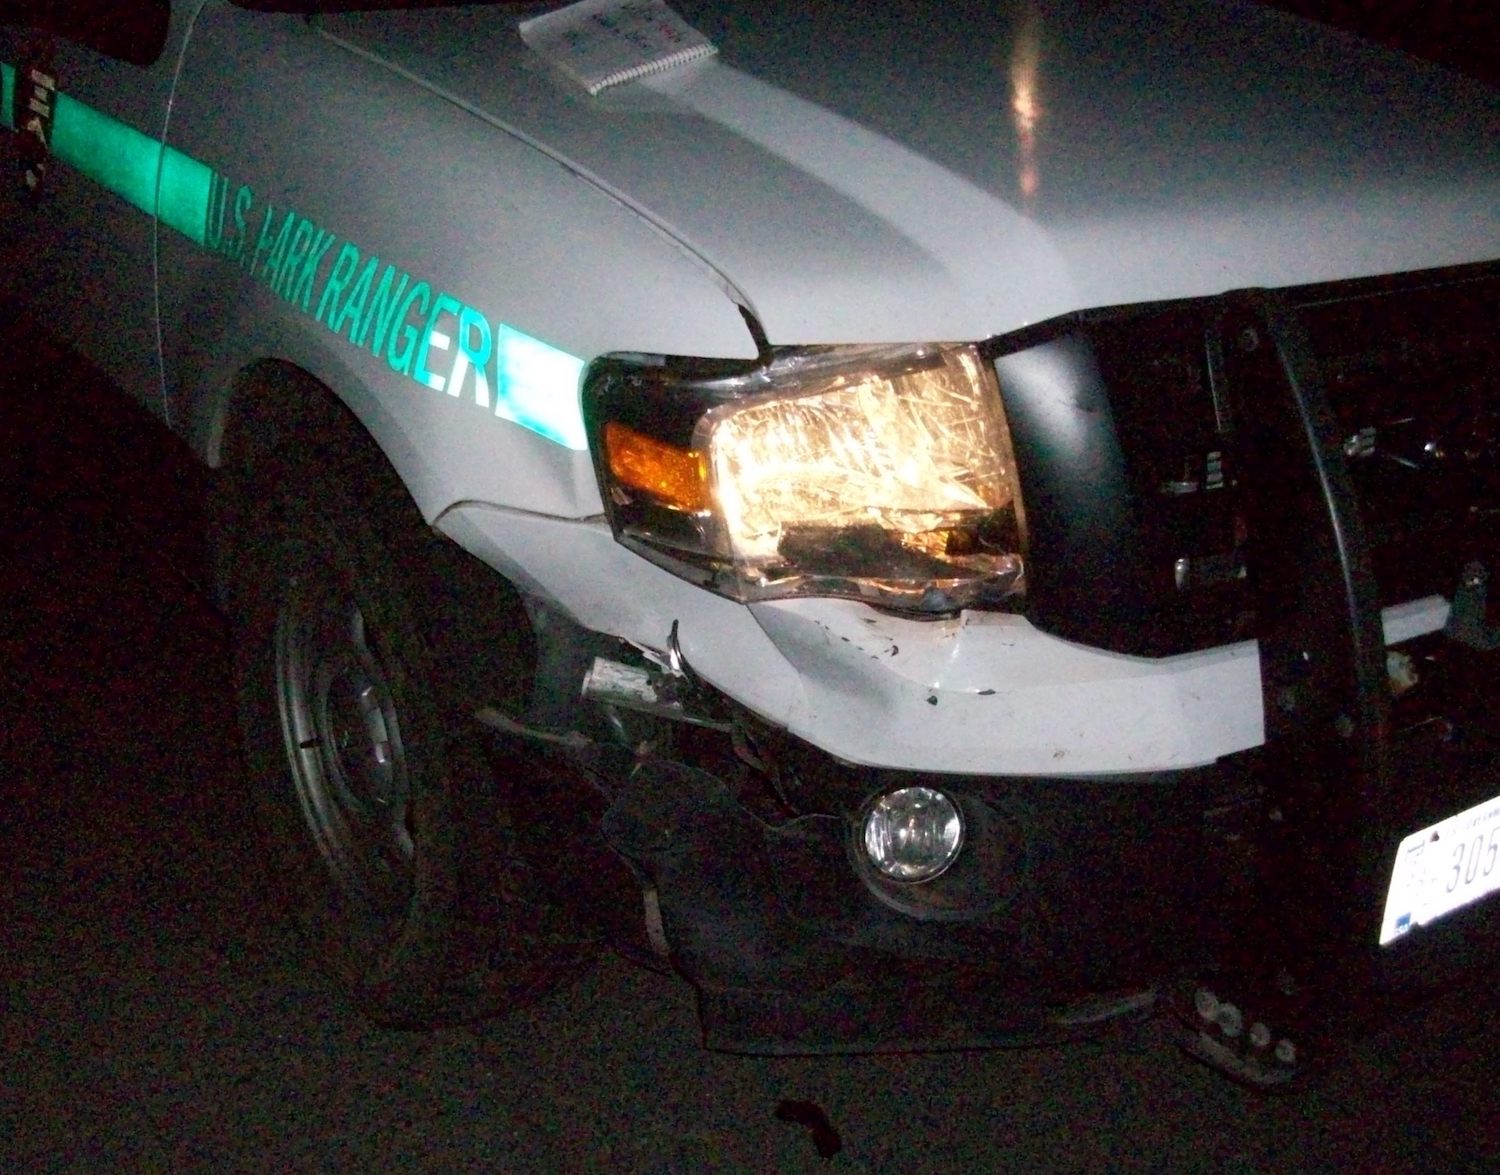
x,y
1047,923
1315,510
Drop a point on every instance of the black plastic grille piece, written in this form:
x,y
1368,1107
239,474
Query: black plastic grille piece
x,y
1130,443
1412,371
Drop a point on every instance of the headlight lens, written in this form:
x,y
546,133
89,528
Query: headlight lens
x,y
879,474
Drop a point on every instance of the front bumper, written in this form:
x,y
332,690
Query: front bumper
x,y
1073,900
1301,493
1060,894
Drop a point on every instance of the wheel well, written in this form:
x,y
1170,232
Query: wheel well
x,y
276,418
273,406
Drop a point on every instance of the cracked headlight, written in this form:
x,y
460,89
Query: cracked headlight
x,y
881,474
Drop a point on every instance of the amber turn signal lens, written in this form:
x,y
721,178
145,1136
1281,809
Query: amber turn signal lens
x,y
674,477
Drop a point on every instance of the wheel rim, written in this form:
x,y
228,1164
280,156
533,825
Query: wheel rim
x,y
343,746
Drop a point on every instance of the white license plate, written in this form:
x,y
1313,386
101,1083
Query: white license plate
x,y
1447,865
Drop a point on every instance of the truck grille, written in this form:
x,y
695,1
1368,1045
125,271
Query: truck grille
x,y
1131,426
1412,372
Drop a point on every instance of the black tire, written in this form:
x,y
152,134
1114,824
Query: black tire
x,y
356,673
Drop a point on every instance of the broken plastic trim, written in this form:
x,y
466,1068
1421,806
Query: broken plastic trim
x,y
644,690
490,717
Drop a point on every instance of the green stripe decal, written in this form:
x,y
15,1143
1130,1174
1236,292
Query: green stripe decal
x,y
182,198
428,336
114,155
7,96
130,164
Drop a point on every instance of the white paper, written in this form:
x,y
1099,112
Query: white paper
x,y
601,43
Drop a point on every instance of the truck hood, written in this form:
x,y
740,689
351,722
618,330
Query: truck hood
x,y
899,170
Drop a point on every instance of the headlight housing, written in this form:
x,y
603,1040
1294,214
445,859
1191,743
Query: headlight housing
x,y
882,474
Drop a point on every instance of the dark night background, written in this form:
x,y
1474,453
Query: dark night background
x,y
154,1012
1461,35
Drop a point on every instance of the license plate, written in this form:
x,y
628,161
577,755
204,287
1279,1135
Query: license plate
x,y
1447,865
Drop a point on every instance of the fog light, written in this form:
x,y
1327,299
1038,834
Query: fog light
x,y
913,833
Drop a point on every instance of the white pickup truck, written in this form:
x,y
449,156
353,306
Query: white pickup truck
x,y
941,522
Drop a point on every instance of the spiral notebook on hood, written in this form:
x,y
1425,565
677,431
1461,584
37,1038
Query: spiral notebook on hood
x,y
603,43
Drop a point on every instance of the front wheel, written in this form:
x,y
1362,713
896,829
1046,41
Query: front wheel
x,y
341,738
355,672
